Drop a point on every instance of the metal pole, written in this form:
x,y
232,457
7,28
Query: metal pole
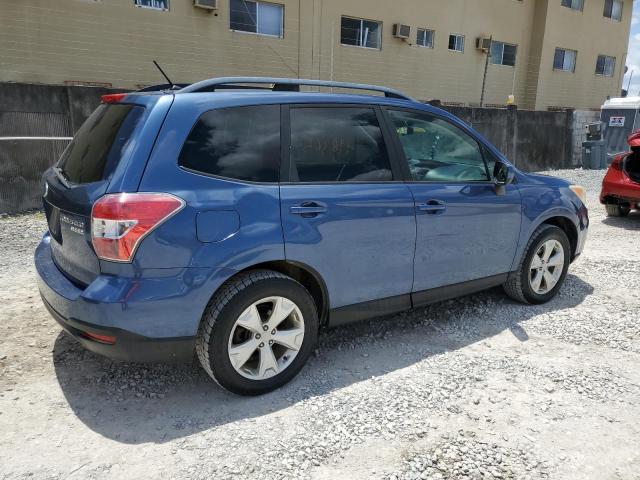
x,y
486,67
333,43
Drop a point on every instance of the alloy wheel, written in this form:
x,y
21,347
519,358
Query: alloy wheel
x,y
266,338
546,267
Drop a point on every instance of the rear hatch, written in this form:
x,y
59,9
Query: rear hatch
x,y
80,177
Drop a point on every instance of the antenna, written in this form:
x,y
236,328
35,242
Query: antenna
x,y
171,84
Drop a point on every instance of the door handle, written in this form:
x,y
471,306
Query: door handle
x,y
308,209
432,207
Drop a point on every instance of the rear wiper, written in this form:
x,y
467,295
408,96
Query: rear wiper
x,y
62,176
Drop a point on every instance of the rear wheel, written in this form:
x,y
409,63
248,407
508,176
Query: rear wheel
x,y
543,267
616,210
257,332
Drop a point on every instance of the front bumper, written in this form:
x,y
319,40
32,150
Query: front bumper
x,y
153,316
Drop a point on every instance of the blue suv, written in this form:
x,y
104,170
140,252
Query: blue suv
x,y
236,217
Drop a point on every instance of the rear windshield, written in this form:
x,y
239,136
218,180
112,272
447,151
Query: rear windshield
x,y
97,147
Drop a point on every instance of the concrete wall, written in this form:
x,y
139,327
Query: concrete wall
x,y
112,41
532,140
37,111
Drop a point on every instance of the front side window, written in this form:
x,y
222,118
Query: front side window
x,y
605,65
156,4
565,60
257,17
425,38
613,9
241,143
436,150
361,33
503,54
338,144
573,4
456,43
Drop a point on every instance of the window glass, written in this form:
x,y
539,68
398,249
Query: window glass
x,y
342,144
503,54
565,60
456,43
613,9
436,150
241,143
360,33
425,38
157,4
256,17
97,147
605,65
572,4
270,19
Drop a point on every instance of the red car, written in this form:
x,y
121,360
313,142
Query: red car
x,y
621,185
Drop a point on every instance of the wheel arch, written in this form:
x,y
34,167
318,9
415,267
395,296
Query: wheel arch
x,y
568,227
302,273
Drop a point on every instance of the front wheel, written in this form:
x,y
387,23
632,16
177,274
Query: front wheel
x,y
543,268
257,332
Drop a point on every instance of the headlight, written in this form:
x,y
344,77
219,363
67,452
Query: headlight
x,y
580,192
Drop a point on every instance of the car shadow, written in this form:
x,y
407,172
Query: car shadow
x,y
630,222
137,403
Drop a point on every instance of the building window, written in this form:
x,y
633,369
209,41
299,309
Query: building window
x,y
425,38
257,17
503,54
361,33
613,9
456,43
573,4
605,65
155,4
565,60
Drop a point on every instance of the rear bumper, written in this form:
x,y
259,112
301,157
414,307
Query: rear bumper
x,y
154,317
618,186
128,346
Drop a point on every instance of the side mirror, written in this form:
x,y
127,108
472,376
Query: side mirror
x,y
503,175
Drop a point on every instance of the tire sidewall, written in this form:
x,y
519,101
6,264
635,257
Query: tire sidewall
x,y
224,372
551,233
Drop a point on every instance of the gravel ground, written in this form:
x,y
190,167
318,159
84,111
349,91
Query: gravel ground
x,y
475,388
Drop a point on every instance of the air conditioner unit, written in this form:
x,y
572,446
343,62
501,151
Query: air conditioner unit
x,y
206,4
401,31
483,43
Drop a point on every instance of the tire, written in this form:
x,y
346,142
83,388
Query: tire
x,y
222,330
615,210
521,285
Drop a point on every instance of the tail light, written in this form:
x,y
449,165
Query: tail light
x,y
120,221
113,97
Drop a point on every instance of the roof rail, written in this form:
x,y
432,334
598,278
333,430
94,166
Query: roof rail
x,y
285,85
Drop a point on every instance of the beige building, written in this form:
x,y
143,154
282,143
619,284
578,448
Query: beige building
x,y
547,53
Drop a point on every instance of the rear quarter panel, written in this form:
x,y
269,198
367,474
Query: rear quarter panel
x,y
258,237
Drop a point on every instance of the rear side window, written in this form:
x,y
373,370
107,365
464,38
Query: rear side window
x,y
338,145
241,143
95,151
